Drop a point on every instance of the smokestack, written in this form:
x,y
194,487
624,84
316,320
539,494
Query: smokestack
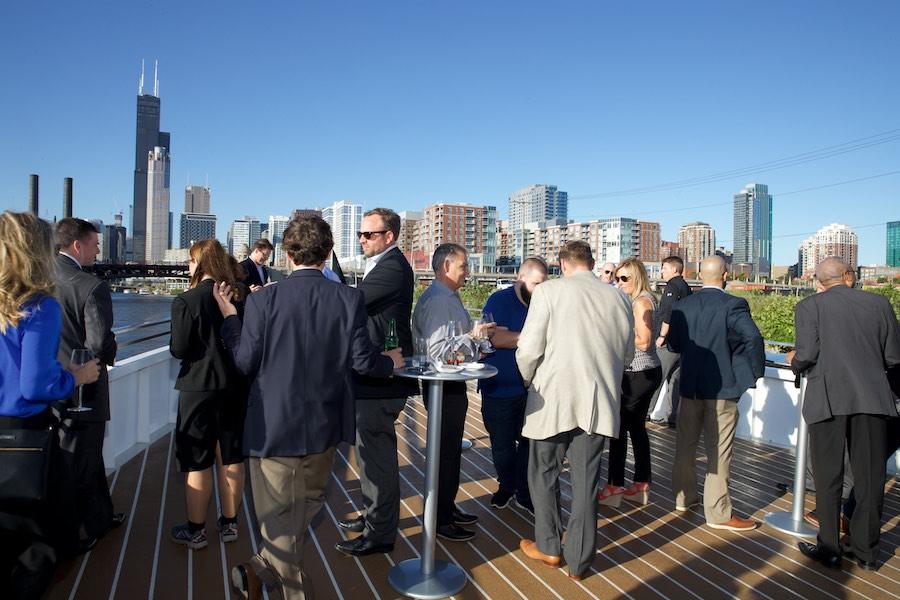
x,y
67,197
33,182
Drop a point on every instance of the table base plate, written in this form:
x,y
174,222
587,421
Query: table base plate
x,y
785,523
407,578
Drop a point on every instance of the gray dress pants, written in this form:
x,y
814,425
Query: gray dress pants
x,y
545,463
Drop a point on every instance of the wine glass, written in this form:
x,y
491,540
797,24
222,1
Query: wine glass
x,y
79,357
485,346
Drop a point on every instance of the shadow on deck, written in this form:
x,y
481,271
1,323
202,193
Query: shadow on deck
x,y
646,552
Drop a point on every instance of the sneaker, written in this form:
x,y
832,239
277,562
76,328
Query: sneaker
x,y
181,534
526,505
610,495
687,507
461,518
228,532
638,492
501,499
455,533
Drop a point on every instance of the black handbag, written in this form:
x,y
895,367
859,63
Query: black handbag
x,y
25,464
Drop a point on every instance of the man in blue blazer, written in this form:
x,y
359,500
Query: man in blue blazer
x,y
722,355
300,341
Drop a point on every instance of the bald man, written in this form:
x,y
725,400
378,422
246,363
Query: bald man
x,y
846,341
722,356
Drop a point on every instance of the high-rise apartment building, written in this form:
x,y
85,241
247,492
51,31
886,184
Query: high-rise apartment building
x,y
832,240
408,241
114,236
893,244
196,227
753,228
471,226
538,204
697,241
243,234
147,137
277,225
615,239
196,199
667,249
345,219
298,213
649,237
157,226
505,240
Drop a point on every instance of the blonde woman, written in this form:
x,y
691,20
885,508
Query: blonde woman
x,y
640,380
30,379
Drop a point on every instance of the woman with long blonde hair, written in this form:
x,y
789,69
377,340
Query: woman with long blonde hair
x,y
640,380
212,398
31,378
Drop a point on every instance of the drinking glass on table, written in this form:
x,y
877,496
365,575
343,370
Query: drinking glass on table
x,y
79,357
420,353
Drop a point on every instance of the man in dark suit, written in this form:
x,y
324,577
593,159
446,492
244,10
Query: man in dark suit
x,y
388,288
87,323
722,355
256,264
846,341
300,340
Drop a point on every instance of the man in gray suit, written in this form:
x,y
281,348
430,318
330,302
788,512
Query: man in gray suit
x,y
578,338
846,341
87,323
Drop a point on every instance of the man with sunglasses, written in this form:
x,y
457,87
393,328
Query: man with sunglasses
x,y
607,273
388,289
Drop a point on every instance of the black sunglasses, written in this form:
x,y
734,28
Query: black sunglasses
x,y
623,278
607,272
368,234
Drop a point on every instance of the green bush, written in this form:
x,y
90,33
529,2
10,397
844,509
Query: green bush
x,y
773,314
892,293
473,296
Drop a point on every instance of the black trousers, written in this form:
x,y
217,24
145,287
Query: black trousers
x,y
31,538
637,392
81,445
866,438
453,420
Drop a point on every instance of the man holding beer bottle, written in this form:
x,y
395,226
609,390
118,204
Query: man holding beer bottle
x,y
388,288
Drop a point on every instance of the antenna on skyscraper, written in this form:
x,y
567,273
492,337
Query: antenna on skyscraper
x,y
141,84
156,78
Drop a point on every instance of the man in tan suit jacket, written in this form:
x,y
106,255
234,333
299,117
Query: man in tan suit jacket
x,y
577,340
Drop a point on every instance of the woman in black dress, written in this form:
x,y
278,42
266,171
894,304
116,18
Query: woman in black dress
x,y
212,400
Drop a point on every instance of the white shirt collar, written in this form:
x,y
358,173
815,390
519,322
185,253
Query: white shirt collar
x,y
374,260
72,258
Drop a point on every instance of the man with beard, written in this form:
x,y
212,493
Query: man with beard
x,y
503,396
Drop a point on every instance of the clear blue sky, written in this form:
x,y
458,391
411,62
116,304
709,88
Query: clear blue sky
x,y
407,103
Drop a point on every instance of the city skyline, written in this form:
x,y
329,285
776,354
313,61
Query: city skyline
x,y
331,124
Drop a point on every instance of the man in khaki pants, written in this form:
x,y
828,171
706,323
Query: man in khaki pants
x,y
301,399
722,355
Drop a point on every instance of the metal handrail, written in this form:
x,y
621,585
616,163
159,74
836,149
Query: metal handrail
x,y
131,328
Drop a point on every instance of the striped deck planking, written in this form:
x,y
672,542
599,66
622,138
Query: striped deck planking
x,y
643,552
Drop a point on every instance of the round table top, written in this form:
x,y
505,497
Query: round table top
x,y
431,375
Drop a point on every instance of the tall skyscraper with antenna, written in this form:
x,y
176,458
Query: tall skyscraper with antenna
x,y
147,137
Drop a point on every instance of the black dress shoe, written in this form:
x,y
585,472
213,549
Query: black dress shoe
x,y
117,520
86,545
455,533
461,518
362,546
357,525
826,558
868,565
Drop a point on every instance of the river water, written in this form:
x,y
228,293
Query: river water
x,y
134,309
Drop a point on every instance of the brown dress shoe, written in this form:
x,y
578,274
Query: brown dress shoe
x,y
531,551
245,580
736,524
575,577
813,520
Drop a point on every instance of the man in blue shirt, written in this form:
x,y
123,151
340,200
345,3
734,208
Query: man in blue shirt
x,y
503,396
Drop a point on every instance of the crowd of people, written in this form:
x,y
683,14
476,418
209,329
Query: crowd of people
x,y
275,375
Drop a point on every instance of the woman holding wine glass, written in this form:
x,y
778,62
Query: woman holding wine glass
x,y
31,379
212,399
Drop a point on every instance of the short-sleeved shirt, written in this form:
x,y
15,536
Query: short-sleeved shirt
x,y
676,289
508,311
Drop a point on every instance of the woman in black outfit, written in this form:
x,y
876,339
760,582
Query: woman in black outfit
x,y
213,399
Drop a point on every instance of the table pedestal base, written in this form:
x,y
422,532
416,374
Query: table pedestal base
x,y
446,580
785,523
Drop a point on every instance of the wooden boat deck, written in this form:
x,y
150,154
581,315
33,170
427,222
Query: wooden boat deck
x,y
646,552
